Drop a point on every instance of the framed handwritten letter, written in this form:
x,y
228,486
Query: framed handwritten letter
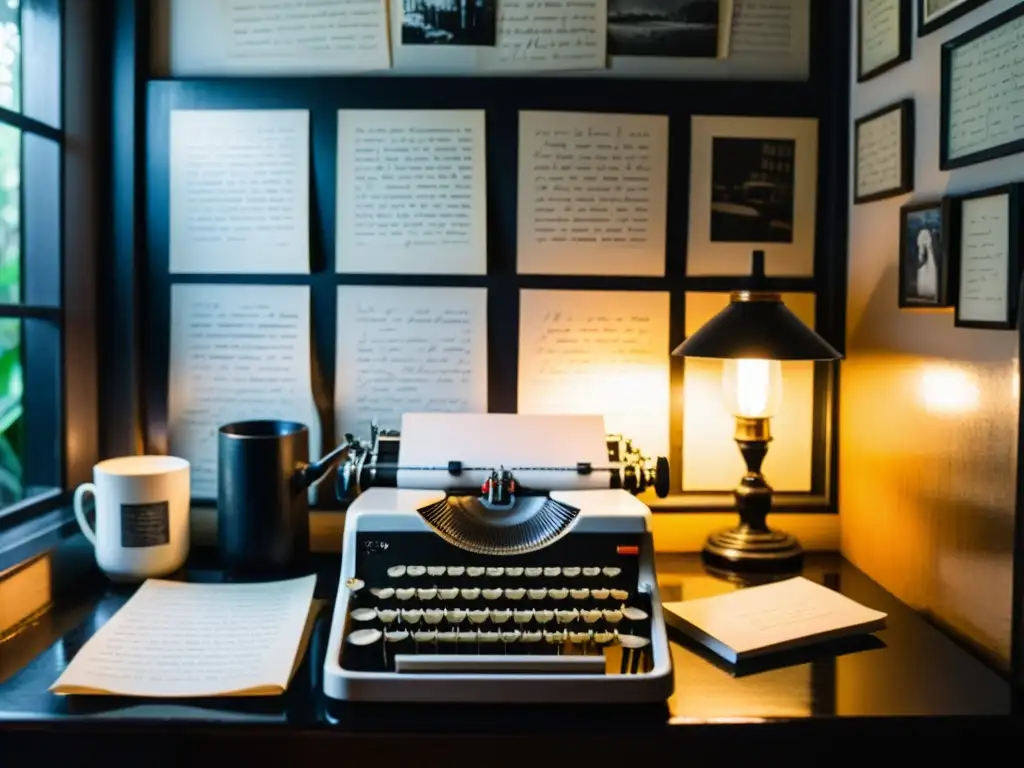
x,y
987,225
982,111
932,14
884,153
883,36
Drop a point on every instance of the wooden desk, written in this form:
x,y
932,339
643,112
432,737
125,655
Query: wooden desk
x,y
910,688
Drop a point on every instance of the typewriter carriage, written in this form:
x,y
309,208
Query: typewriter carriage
x,y
373,463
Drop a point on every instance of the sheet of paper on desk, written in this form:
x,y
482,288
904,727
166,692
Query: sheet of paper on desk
x,y
598,352
239,191
772,617
403,350
553,35
411,192
238,352
593,191
173,639
275,37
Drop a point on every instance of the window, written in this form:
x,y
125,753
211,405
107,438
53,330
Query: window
x,y
31,257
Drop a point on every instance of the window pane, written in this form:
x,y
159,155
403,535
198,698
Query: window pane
x,y
10,54
43,444
10,214
12,422
40,223
39,86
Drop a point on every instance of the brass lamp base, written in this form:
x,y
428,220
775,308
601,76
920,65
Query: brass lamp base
x,y
752,546
744,548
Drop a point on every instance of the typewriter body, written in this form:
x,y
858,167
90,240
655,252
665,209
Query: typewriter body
x,y
498,558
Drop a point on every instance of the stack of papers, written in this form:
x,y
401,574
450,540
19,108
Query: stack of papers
x,y
774,617
173,639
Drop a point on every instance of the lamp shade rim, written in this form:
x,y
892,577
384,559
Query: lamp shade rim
x,y
758,331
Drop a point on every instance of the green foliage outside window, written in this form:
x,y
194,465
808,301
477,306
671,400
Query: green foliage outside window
x,y
11,384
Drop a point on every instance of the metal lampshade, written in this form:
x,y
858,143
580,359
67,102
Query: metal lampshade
x,y
756,325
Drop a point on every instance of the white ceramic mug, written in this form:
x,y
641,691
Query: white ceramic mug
x,y
142,505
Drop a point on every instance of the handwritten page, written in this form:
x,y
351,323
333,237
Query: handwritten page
x,y
984,259
402,350
598,352
593,193
174,639
986,102
879,33
769,40
555,34
710,460
771,617
238,352
412,192
276,37
530,35
880,154
239,191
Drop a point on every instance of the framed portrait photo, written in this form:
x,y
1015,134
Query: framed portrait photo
x,y
883,163
932,14
925,274
981,114
986,233
753,185
883,36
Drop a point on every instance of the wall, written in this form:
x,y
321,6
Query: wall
x,y
802,449
928,412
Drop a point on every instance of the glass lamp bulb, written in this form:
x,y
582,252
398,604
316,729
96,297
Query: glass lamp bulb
x,y
752,388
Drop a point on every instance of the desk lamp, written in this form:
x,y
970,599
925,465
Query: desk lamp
x,y
752,336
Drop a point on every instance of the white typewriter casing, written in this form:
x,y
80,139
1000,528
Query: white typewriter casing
x,y
395,510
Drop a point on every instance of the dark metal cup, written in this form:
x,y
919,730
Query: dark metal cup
x,y
262,510
263,480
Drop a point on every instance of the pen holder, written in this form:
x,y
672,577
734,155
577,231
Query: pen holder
x,y
263,478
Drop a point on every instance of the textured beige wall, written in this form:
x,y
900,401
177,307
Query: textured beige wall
x,y
928,412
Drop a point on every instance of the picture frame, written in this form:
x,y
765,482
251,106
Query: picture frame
x,y
879,47
964,71
926,265
753,186
985,231
933,14
883,140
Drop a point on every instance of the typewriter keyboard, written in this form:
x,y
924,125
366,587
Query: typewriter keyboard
x,y
593,615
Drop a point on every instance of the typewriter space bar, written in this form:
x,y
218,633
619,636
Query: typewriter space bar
x,y
502,665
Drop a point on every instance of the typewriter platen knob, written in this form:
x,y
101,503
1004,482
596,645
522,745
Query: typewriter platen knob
x,y
661,477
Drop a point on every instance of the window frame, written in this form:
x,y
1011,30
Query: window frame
x,y
60,193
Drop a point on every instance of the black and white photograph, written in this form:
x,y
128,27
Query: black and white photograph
x,y
671,28
932,14
924,262
752,190
449,22
753,185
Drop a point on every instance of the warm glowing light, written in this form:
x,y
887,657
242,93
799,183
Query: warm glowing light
x,y
946,389
753,388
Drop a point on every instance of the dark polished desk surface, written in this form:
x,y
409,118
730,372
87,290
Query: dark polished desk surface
x,y
907,683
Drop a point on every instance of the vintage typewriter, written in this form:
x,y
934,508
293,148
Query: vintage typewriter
x,y
498,558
